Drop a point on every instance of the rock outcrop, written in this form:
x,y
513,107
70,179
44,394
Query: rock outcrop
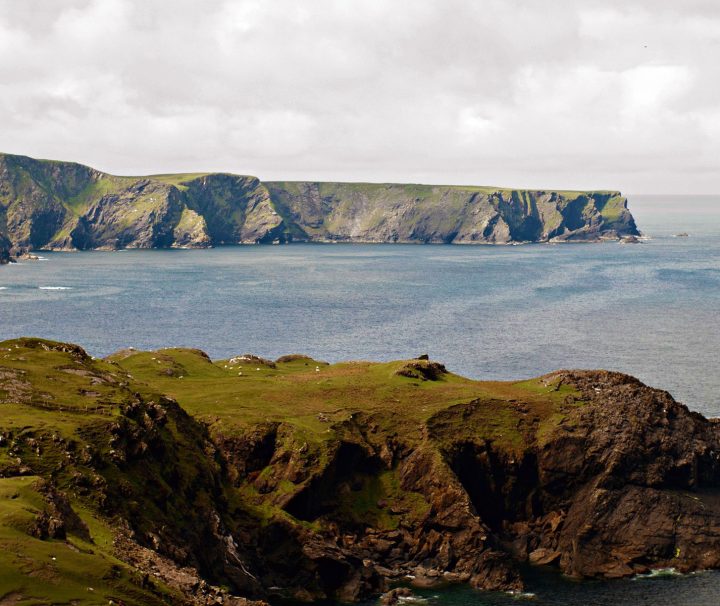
x,y
67,206
625,483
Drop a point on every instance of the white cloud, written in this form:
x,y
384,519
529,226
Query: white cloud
x,y
550,94
651,87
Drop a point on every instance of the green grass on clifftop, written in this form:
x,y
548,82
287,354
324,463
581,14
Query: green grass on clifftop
x,y
232,394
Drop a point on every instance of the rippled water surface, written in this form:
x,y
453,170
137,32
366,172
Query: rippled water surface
x,y
546,589
488,312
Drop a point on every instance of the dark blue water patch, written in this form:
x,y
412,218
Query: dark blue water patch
x,y
565,291
691,278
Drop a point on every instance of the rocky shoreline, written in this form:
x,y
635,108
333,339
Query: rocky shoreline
x,y
275,489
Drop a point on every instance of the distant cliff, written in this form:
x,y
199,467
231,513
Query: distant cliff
x,y
68,206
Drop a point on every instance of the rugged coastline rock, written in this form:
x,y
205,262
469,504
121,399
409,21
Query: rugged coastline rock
x,y
275,479
67,206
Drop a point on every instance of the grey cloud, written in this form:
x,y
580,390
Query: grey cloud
x,y
552,93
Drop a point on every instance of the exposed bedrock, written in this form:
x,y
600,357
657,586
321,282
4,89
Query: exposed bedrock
x,y
627,482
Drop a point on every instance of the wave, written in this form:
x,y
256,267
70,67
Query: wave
x,y
55,287
522,595
659,573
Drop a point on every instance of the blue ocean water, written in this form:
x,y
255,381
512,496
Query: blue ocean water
x,y
649,309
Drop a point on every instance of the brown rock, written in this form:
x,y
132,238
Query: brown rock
x,y
543,557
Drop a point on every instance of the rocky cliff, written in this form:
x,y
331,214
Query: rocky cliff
x,y
68,206
361,212
167,477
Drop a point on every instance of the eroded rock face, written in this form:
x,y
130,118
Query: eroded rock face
x,y
144,215
625,483
628,481
58,518
362,212
237,209
67,206
33,197
634,478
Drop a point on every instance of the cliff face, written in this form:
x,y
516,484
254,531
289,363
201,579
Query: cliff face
x,y
36,197
66,206
277,479
354,212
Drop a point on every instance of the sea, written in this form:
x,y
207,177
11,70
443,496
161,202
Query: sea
x,y
488,312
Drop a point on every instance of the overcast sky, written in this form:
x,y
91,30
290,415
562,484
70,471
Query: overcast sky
x,y
534,93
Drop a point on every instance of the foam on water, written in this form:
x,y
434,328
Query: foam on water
x,y
658,573
522,595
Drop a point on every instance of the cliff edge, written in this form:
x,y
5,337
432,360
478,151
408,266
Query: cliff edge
x,y
67,206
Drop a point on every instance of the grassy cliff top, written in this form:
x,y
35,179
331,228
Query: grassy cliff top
x,y
426,188
180,179
44,382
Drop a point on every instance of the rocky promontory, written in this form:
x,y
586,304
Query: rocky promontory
x,y
67,206
166,476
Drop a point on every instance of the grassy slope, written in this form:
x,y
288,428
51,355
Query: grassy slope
x,y
231,395
104,185
74,571
179,180
46,395
419,189
317,400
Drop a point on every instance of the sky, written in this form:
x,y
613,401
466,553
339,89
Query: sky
x,y
566,94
